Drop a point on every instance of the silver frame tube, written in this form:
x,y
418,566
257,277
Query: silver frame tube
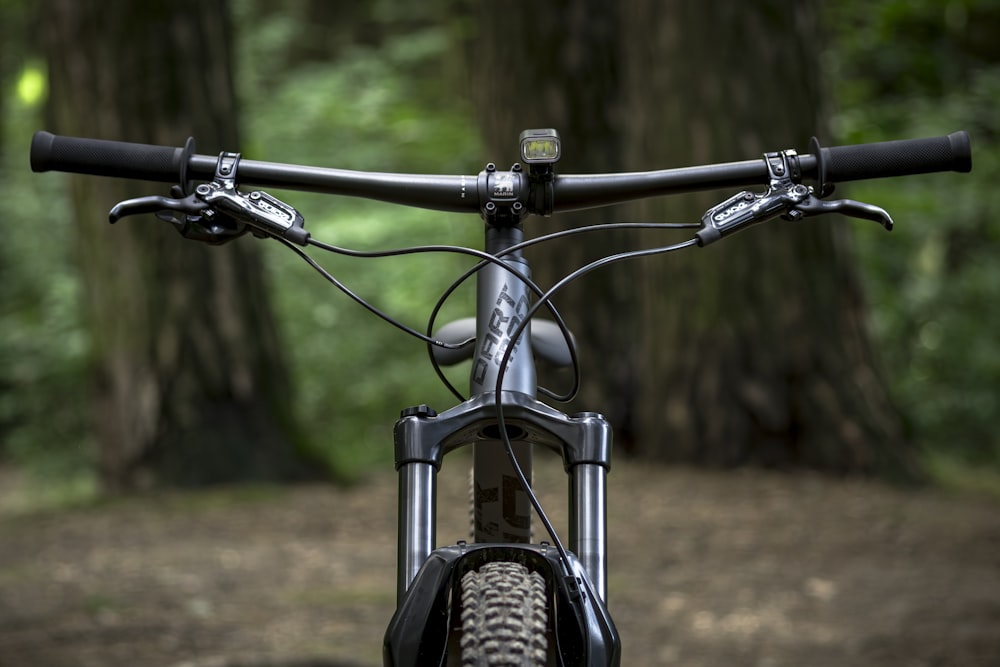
x,y
502,299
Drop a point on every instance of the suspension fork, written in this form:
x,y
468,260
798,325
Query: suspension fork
x,y
423,437
502,512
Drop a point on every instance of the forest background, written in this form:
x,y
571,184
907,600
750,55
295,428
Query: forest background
x,y
898,69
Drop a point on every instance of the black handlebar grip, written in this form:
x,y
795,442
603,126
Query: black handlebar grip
x,y
898,158
99,157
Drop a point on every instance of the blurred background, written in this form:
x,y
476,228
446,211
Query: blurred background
x,y
158,396
124,364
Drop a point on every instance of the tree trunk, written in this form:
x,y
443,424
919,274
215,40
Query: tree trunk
x,y
190,386
571,83
752,351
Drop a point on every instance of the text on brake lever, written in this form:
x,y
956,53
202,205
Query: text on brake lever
x,y
263,214
783,198
218,212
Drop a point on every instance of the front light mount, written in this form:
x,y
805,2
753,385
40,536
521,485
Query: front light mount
x,y
540,150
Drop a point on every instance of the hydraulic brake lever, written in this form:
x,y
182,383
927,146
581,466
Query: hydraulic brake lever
x,y
855,209
189,205
190,216
783,198
263,214
218,212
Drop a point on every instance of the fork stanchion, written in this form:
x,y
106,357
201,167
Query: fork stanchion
x,y
417,508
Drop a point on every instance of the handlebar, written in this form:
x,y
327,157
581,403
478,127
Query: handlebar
x,y
468,193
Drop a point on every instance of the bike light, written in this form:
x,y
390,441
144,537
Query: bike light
x,y
540,146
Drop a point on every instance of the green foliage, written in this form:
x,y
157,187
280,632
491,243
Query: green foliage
x,y
923,68
375,108
43,405
378,93
43,345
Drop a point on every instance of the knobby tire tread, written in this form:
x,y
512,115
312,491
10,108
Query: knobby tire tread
x,y
504,617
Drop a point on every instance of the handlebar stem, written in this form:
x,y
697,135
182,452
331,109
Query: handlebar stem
x,y
503,195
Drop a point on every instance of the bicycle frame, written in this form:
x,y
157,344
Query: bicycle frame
x,y
423,437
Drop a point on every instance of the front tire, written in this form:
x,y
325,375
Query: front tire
x,y
504,617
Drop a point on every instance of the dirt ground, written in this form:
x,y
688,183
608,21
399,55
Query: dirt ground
x,y
746,568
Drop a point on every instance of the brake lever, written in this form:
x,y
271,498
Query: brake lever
x,y
191,216
264,214
784,198
189,205
814,206
217,212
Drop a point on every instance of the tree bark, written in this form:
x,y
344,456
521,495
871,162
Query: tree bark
x,y
752,351
189,382
560,67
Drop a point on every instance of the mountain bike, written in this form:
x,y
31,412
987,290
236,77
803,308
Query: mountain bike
x,y
499,598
